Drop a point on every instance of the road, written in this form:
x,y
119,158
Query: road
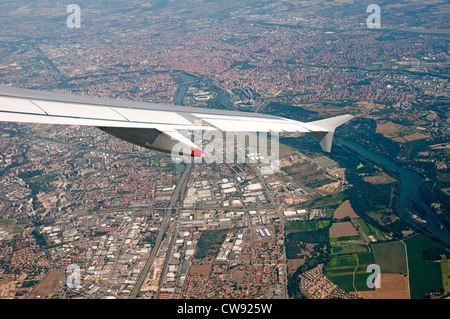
x,y
407,268
49,63
164,225
174,231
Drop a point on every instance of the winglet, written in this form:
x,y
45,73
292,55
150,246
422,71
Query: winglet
x,y
326,127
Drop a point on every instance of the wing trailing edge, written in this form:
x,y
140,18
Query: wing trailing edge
x,y
150,125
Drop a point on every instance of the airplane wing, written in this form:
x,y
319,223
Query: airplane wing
x,y
154,126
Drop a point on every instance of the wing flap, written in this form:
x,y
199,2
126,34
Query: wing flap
x,y
137,115
8,104
252,123
84,111
47,119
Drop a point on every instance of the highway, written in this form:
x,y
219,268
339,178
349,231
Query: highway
x,y
164,225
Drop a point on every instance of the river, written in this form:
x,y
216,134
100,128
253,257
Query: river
x,y
409,192
187,80
410,181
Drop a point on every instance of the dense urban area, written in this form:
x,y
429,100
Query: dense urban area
x,y
86,215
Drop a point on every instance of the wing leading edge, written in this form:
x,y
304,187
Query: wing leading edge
x,y
150,125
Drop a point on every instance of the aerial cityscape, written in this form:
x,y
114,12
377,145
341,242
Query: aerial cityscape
x,y
85,215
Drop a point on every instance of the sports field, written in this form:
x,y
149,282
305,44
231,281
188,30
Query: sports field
x,y
307,225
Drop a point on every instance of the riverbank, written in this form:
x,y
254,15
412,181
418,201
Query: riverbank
x,y
409,195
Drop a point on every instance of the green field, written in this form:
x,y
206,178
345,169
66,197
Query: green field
x,y
391,257
349,272
342,261
330,201
346,248
44,178
209,243
444,177
344,238
351,282
179,169
446,191
369,230
307,225
424,275
348,245
445,269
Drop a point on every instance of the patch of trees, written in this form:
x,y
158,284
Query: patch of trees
x,y
306,143
150,239
293,281
40,238
37,187
30,174
291,112
431,192
209,243
435,253
29,283
363,131
295,241
368,196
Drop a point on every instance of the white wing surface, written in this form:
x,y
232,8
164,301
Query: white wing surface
x,y
151,125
